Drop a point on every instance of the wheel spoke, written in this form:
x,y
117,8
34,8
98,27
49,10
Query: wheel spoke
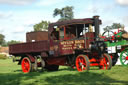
x,y
83,67
105,63
124,61
84,64
82,60
123,57
79,60
126,53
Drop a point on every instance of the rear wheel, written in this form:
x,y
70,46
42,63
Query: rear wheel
x,y
105,62
82,63
26,65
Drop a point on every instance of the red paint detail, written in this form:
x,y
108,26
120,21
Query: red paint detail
x,y
118,36
122,49
113,37
105,40
93,60
31,58
126,58
115,33
25,65
103,37
94,64
80,63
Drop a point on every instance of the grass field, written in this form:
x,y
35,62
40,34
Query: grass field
x,y
11,74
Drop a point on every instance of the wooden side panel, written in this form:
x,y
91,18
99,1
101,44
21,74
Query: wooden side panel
x,y
29,47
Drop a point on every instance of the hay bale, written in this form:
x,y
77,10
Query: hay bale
x,y
3,56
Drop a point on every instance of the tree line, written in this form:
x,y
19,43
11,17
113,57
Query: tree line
x,y
7,43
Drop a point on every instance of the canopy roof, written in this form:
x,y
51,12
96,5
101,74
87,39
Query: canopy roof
x,y
71,22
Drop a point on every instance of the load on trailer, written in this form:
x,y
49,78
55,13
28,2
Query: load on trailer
x,y
74,43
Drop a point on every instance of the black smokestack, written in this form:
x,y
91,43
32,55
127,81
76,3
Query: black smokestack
x,y
96,24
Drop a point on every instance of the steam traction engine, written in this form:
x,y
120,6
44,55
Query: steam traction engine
x,y
74,43
117,44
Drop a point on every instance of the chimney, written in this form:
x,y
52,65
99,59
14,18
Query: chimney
x,y
96,25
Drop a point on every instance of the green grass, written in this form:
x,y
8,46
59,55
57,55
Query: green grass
x,y
11,74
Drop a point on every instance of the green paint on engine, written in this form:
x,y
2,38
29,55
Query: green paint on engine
x,y
120,42
119,35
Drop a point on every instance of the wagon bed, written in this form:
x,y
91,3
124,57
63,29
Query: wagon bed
x,y
29,47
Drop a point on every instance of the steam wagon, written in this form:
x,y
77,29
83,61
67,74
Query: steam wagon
x,y
74,43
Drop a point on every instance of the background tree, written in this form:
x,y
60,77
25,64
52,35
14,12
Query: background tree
x,y
113,26
13,42
2,39
43,25
65,13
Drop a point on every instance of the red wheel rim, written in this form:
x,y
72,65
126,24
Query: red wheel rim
x,y
104,62
80,63
25,65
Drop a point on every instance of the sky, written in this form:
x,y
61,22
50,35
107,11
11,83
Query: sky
x,y
18,16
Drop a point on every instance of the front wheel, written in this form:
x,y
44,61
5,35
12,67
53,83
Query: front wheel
x,y
105,62
82,63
